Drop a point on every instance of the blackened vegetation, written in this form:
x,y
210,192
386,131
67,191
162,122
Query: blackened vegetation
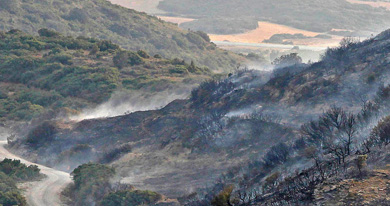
x,y
278,154
42,134
115,153
338,140
211,91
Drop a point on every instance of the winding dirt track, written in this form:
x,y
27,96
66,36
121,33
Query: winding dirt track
x,y
45,192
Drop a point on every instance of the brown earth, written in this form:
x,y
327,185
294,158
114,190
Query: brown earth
x,y
367,191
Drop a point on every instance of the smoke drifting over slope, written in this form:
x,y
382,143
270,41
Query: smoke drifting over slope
x,y
127,102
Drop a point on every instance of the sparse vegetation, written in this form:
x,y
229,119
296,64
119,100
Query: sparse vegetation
x,y
130,197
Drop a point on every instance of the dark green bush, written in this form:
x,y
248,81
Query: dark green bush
x,y
64,59
105,45
130,197
48,33
77,14
126,58
19,171
143,54
179,69
12,198
91,183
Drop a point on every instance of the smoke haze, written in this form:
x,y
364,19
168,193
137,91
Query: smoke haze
x,y
123,102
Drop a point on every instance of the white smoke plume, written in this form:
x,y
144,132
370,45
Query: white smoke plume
x,y
122,103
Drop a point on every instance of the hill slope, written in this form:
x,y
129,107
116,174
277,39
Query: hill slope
x,y
130,29
51,74
245,127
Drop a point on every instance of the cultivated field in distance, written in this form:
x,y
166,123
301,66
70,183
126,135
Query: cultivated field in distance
x,y
266,30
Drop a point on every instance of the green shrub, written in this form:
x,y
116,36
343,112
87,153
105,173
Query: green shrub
x,y
91,183
105,45
48,33
129,197
203,35
12,198
143,54
77,14
179,69
19,171
95,49
196,39
6,183
126,58
64,59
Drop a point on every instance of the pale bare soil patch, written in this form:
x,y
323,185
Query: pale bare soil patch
x,y
264,31
267,29
373,4
356,191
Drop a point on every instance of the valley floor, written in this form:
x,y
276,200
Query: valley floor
x,y
45,192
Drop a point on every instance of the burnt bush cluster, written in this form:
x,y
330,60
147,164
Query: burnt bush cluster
x,y
115,153
336,141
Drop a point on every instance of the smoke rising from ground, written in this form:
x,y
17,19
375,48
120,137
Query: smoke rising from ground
x,y
127,102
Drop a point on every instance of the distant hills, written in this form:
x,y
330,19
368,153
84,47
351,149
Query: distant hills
x,y
128,28
318,15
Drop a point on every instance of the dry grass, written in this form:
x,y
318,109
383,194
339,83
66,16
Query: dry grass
x,y
373,4
372,188
355,191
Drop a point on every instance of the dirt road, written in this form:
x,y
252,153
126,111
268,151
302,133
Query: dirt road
x,y
45,192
